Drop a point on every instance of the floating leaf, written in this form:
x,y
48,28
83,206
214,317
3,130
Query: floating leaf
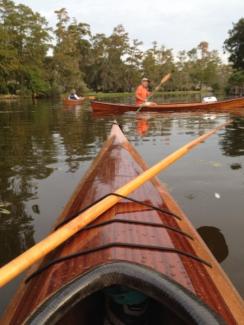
x,y
235,166
190,196
215,164
217,195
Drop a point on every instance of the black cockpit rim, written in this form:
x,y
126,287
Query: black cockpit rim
x,y
159,287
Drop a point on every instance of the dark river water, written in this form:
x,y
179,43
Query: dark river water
x,y
46,148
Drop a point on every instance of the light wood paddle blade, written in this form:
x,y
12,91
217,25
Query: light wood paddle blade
x,y
165,78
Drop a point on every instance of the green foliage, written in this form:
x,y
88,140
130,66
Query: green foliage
x,y
68,52
235,45
38,60
113,62
236,83
157,61
24,38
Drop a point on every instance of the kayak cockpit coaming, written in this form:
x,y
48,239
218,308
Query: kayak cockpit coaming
x,y
174,300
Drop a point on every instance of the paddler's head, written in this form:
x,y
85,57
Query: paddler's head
x,y
145,82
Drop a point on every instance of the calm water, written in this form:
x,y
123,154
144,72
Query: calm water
x,y
46,148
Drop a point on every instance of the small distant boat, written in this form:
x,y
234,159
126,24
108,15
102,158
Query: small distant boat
x,y
73,102
210,105
142,258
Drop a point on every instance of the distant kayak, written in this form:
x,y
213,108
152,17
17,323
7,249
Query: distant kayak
x,y
218,105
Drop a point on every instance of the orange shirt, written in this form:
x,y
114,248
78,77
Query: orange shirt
x,y
141,95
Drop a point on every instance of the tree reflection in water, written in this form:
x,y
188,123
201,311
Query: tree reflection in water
x,y
33,139
232,140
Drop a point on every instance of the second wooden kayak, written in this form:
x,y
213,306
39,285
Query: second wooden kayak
x,y
141,262
219,105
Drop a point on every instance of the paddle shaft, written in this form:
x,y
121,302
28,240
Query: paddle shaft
x,y
45,246
163,80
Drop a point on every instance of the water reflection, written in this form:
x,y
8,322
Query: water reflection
x,y
215,241
142,123
16,231
232,142
33,140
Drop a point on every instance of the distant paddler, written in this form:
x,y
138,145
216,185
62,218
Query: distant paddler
x,y
143,93
74,96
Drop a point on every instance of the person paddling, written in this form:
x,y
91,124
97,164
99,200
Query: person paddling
x,y
142,93
73,95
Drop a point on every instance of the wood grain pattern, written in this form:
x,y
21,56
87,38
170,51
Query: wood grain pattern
x,y
116,164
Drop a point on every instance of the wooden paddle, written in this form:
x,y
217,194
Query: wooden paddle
x,y
45,246
163,80
90,97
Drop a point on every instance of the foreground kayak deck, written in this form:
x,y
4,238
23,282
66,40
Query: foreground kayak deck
x,y
219,105
131,244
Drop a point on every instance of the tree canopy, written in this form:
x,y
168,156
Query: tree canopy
x,y
37,59
234,44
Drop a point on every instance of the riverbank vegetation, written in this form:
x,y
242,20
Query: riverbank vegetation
x,y
42,61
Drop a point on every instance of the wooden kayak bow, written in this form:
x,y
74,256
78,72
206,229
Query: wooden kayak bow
x,y
163,80
45,246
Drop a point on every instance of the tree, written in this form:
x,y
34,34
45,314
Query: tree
x,y
24,40
235,45
114,63
67,52
133,65
236,83
114,74
157,62
108,70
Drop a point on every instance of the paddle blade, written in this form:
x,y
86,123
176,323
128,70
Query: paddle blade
x,y
165,78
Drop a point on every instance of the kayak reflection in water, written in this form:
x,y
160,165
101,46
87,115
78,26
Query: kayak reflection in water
x,y
215,241
142,93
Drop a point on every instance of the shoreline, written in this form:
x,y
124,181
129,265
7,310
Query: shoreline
x,y
103,95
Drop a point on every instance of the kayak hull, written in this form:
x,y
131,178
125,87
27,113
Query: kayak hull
x,y
148,231
219,105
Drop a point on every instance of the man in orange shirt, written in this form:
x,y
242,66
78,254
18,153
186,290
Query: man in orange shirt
x,y
142,92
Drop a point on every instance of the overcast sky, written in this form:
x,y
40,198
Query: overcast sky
x,y
178,24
